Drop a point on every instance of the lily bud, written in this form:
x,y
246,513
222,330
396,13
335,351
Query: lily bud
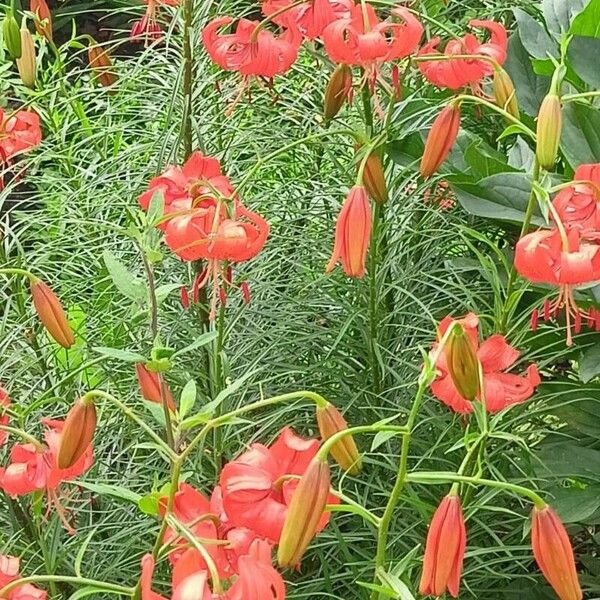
x,y
43,21
51,313
440,140
554,554
149,383
549,128
504,92
11,35
77,433
337,91
102,65
26,64
374,178
462,362
304,513
345,452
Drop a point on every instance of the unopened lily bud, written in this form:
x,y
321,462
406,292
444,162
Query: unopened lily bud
x,y
462,362
374,178
440,140
304,513
337,91
77,433
102,65
51,313
43,21
345,452
11,35
26,64
504,92
150,386
549,128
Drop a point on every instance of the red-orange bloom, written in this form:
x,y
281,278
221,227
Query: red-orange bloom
x,y
310,17
352,234
51,313
565,259
441,138
9,572
250,50
4,417
19,132
149,383
444,550
43,24
457,73
554,554
147,28
495,356
364,40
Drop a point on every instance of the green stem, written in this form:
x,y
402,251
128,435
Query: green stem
x,y
218,377
23,435
512,276
23,272
188,78
47,561
574,97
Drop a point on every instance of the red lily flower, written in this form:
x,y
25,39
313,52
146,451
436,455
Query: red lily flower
x,y
565,259
364,40
256,491
352,234
9,572
4,418
311,17
455,74
34,468
495,356
578,205
444,550
149,384
19,132
251,50
147,27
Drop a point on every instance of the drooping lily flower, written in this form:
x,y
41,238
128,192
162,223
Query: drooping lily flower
x,y
496,356
4,417
9,572
311,17
362,39
458,73
566,259
147,28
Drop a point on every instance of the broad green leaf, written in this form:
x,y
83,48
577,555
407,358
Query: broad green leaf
x,y
188,398
502,196
129,285
583,54
560,13
201,340
401,590
381,437
116,491
164,290
569,460
580,141
119,354
589,363
530,88
521,155
587,22
149,504
534,37
575,504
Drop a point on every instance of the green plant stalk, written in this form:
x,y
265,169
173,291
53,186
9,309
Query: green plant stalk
x,y
512,276
47,560
188,77
218,379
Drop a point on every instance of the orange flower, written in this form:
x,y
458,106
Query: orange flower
x,y
440,140
462,362
51,313
305,512
338,90
149,383
77,433
352,234
444,550
345,452
554,554
43,23
102,65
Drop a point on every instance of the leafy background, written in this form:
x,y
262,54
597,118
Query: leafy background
x,y
303,329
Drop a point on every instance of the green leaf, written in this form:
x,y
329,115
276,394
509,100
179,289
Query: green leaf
x,y
90,590
534,37
381,437
589,363
580,141
560,13
124,281
149,504
394,582
164,290
583,55
530,88
188,398
116,491
587,22
521,155
122,355
502,196
201,340
576,504
569,459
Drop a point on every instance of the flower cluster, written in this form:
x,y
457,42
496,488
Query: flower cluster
x,y
240,524
9,572
495,356
447,541
567,255
19,132
203,219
